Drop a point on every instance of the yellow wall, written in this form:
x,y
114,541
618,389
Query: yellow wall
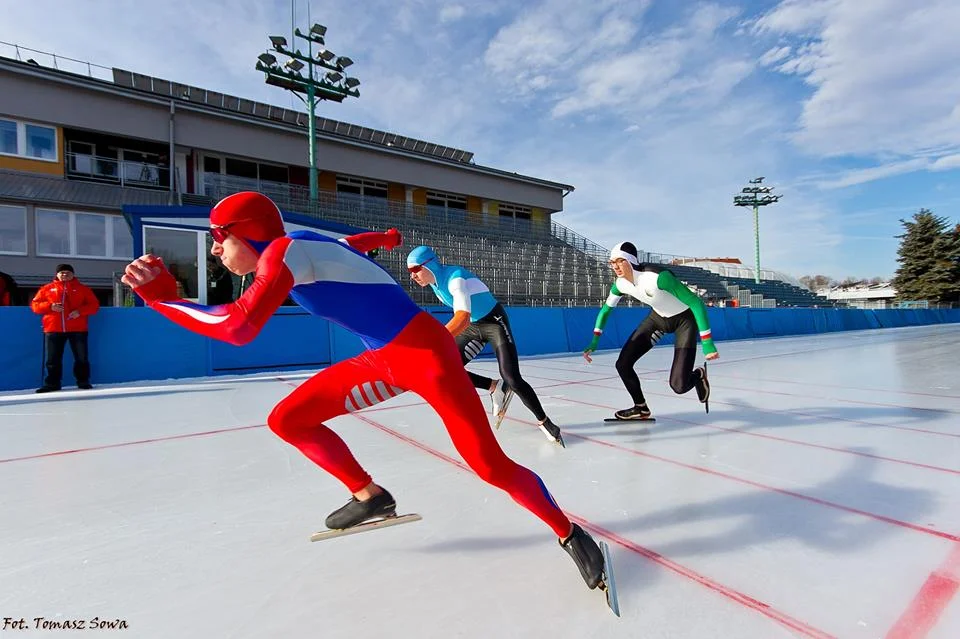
x,y
539,216
327,181
474,210
493,213
419,197
37,166
396,192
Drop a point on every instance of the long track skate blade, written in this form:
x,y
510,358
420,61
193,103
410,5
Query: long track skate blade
x,y
370,525
706,404
610,420
609,581
503,409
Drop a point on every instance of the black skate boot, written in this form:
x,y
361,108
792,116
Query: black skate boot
x,y
552,431
356,512
637,412
703,386
587,555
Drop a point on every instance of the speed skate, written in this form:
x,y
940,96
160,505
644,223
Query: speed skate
x,y
383,522
503,409
609,584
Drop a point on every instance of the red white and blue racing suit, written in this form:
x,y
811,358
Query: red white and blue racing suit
x,y
407,350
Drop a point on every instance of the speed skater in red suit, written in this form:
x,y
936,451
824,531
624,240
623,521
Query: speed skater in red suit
x,y
407,349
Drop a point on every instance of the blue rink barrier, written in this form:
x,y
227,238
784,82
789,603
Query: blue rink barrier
x,y
132,344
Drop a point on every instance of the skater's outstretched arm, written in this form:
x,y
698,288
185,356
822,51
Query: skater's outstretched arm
x,y
666,281
364,242
612,300
236,323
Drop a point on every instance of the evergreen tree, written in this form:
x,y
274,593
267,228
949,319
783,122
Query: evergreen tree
x,y
947,270
927,257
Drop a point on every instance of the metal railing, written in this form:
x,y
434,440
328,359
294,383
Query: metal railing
x,y
524,262
114,171
59,62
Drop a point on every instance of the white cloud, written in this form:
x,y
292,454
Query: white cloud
x,y
946,163
862,176
452,13
774,55
553,38
610,71
883,74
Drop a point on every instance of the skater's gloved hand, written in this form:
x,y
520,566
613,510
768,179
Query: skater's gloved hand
x,y
149,278
393,239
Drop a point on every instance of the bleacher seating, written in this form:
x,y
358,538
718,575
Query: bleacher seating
x,y
524,262
786,294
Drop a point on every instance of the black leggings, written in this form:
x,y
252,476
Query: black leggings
x,y
651,329
54,344
495,329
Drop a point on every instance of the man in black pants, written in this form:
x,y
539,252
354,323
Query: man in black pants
x,y
478,319
674,309
65,305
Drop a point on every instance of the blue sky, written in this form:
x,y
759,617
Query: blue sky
x,y
657,111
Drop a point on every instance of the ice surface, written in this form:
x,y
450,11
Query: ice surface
x,y
820,497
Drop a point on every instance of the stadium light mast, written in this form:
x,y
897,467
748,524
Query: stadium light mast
x,y
333,85
756,196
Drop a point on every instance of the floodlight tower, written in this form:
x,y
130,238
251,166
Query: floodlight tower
x,y
334,85
757,196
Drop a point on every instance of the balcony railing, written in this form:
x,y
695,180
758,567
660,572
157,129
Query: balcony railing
x,y
112,170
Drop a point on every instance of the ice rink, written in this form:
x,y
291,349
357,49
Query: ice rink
x,y
820,497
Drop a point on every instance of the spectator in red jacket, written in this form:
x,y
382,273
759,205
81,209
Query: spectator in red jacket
x,y
65,304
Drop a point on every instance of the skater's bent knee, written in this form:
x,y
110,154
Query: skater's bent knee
x,y
625,365
283,422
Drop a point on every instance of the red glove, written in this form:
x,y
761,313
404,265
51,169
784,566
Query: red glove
x,y
392,240
366,242
162,288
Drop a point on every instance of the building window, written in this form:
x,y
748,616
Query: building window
x,y
446,200
28,140
360,186
8,137
121,240
53,233
74,234
515,211
91,234
13,230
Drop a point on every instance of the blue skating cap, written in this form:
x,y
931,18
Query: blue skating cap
x,y
420,256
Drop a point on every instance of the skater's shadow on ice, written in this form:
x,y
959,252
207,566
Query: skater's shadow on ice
x,y
745,418
761,516
638,431
641,574
492,543
69,395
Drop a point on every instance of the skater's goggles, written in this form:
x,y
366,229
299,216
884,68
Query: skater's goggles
x,y
220,233
416,268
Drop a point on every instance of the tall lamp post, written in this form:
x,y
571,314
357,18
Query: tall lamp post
x,y
333,85
757,196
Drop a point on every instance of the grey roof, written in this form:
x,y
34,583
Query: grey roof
x,y
46,189
223,101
